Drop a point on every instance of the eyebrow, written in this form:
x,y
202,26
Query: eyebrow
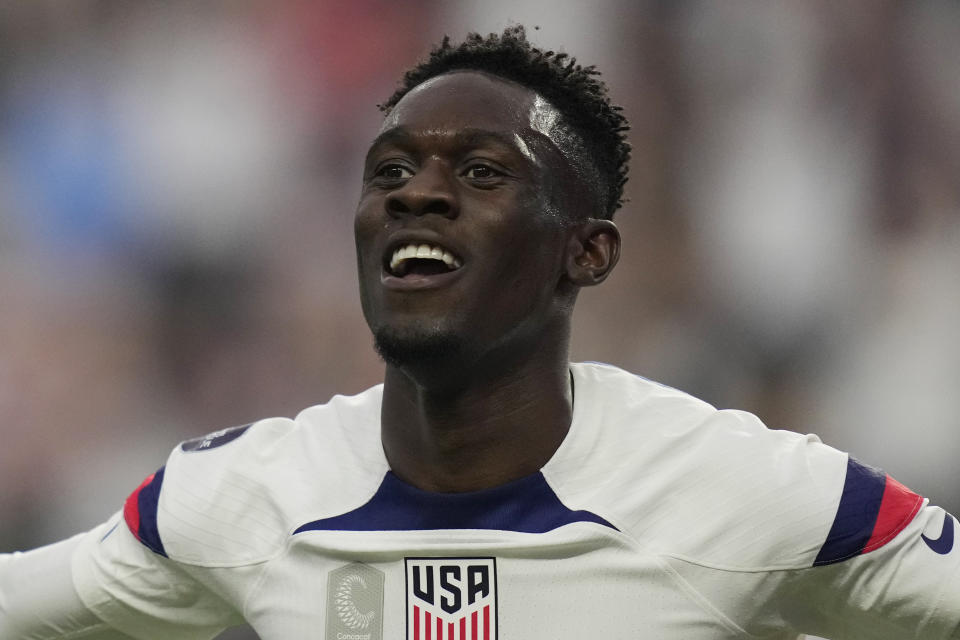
x,y
469,136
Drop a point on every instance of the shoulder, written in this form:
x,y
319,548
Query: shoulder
x,y
686,479
231,497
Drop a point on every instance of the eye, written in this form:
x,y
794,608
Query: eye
x,y
481,172
394,172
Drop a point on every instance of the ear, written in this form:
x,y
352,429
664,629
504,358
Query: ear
x,y
593,249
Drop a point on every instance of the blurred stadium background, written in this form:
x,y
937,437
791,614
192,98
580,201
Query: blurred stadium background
x,y
177,182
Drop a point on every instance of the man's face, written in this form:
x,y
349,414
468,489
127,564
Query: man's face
x,y
462,177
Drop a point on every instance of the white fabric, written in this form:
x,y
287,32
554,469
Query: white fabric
x,y
718,521
38,601
145,595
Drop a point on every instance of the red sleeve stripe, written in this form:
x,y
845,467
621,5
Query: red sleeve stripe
x,y
140,512
131,508
897,509
873,509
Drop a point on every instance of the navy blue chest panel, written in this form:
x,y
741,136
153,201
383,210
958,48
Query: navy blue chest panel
x,y
527,505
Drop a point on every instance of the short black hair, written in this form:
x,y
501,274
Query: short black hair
x,y
577,92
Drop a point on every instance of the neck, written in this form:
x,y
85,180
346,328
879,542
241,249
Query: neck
x,y
488,429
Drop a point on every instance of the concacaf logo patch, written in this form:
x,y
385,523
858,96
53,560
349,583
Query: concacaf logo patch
x,y
355,603
451,598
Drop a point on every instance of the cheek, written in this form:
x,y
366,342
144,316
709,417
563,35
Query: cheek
x,y
531,265
533,242
366,226
365,222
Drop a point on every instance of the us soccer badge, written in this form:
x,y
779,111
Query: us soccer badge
x,y
355,603
451,598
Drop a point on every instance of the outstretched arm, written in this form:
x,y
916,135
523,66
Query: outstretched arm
x,y
105,585
38,600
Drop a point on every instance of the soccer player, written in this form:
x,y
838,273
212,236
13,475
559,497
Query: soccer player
x,y
489,488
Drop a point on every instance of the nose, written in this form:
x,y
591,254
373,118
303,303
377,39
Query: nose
x,y
429,190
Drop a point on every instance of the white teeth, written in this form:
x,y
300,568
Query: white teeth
x,y
422,251
450,260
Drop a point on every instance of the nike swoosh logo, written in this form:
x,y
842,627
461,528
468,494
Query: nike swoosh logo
x,y
944,544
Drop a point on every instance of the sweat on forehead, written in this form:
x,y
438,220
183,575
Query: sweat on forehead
x,y
477,97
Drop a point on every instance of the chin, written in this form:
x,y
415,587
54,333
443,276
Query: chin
x,y
416,346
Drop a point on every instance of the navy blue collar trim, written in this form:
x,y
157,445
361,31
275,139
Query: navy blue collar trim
x,y
527,505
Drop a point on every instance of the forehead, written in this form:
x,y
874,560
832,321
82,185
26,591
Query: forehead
x,y
473,100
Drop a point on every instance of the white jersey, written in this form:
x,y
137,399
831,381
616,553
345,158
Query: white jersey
x,y
659,517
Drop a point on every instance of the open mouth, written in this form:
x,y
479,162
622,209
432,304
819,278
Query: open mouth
x,y
421,259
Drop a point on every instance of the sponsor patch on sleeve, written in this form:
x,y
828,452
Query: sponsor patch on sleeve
x,y
215,439
873,509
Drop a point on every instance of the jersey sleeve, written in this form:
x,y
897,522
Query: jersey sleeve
x,y
790,535
190,540
889,568
173,564
38,600
187,539
104,585
141,593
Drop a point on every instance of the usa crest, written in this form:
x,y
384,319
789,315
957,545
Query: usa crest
x,y
451,598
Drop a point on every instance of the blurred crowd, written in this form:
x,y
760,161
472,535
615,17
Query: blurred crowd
x,y
177,182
